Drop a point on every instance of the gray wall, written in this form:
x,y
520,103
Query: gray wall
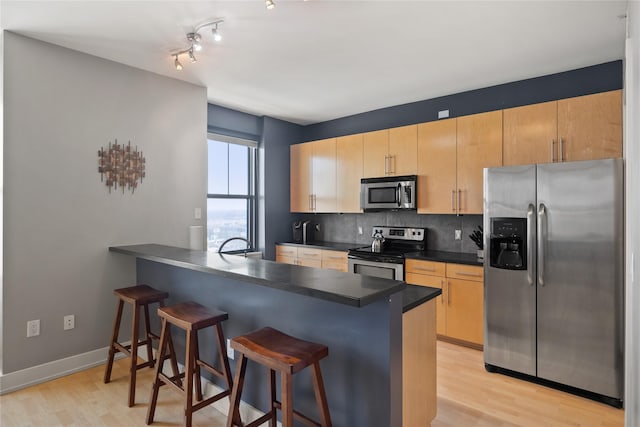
x,y
60,107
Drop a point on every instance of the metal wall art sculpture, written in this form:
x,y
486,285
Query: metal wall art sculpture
x,y
121,166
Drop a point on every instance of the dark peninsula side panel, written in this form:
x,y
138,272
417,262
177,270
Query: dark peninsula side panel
x,y
362,373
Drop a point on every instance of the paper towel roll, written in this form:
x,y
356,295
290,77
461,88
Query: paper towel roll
x,y
196,237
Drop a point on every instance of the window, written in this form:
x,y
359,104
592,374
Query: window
x,y
231,201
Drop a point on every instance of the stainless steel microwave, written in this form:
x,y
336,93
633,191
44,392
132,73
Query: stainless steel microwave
x,y
388,193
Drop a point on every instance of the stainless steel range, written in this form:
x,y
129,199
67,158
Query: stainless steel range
x,y
385,257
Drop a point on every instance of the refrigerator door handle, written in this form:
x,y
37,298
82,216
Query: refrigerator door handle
x,y
542,216
530,243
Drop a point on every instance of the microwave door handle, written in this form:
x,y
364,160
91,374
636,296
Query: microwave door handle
x,y
399,194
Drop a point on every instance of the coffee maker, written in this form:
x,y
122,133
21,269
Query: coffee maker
x,y
303,231
507,243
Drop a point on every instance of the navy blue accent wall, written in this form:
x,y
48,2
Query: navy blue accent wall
x,y
583,81
277,136
233,123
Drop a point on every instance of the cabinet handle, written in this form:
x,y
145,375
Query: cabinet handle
x,y
459,204
311,255
335,257
425,269
562,149
309,204
385,165
463,273
448,293
392,169
314,202
453,200
553,142
442,287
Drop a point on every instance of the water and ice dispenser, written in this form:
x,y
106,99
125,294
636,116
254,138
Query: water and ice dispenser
x,y
508,243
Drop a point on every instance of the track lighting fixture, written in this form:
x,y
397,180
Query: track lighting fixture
x,y
270,4
194,38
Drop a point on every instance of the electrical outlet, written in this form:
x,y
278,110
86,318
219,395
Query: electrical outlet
x,y
69,322
360,230
197,213
33,328
230,352
458,235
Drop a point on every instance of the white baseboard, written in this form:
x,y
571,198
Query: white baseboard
x,y
51,370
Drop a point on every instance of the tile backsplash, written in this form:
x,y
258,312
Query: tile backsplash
x,y
440,228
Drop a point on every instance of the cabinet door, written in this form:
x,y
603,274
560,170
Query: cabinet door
x,y
349,170
376,153
403,146
590,127
323,167
465,310
479,146
334,260
437,167
441,308
300,178
531,134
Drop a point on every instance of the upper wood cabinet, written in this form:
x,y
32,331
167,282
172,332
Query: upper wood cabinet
x,y
313,176
479,146
530,134
390,152
590,127
437,167
403,148
582,128
451,156
349,170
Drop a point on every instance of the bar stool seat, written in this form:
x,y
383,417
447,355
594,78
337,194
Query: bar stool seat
x,y
287,355
138,296
191,317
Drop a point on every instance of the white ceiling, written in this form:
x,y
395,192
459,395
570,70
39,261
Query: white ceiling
x,y
316,60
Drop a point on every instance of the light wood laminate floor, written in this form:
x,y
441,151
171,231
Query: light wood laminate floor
x,y
467,397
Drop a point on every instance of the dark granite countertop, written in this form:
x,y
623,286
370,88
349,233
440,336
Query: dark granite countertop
x,y
414,295
344,288
335,246
442,256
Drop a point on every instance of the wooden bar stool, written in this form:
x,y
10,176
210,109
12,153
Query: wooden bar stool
x,y
287,355
191,317
138,296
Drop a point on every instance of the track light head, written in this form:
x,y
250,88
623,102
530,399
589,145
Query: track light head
x,y
270,4
192,57
177,63
216,34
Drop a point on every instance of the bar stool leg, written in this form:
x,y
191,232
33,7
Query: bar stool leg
x,y
134,354
188,376
196,367
238,383
272,398
321,396
286,385
164,335
114,338
148,336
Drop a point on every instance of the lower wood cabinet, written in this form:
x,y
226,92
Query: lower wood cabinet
x,y
312,257
419,398
460,308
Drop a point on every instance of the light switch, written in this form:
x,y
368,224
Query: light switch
x,y
197,213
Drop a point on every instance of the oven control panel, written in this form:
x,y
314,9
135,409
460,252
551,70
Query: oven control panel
x,y
400,233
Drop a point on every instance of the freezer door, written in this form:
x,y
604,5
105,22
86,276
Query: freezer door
x,y
580,275
510,295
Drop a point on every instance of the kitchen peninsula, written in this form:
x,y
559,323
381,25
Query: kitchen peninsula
x,y
376,329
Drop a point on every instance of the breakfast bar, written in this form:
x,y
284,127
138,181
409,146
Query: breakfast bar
x,y
359,318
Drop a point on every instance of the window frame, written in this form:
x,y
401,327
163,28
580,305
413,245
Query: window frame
x,y
252,181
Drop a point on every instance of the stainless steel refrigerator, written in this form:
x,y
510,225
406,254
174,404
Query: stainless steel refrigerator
x,y
554,275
